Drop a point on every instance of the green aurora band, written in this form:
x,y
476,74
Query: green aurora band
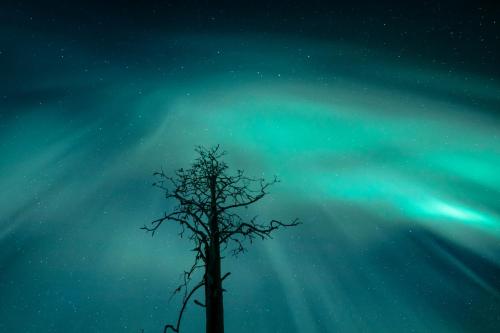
x,y
393,172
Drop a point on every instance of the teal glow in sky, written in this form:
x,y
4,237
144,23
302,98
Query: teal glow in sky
x,y
393,172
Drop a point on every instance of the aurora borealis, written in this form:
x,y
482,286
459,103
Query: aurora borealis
x,y
386,138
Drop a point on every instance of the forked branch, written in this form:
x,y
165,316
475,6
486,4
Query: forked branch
x,y
184,303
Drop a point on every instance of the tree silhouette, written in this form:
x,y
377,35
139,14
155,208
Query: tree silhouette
x,y
208,201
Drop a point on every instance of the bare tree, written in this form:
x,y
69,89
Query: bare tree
x,y
208,202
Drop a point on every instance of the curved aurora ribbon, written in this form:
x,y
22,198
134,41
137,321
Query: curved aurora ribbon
x,y
393,168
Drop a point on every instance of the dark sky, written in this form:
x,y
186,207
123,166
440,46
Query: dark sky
x,y
460,34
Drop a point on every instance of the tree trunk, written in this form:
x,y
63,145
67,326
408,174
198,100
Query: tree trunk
x,y
213,284
213,292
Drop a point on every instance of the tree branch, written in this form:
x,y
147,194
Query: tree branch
x,y
263,231
173,217
184,303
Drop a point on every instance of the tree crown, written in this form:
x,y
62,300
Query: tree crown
x,y
206,192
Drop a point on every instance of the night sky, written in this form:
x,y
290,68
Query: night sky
x,y
382,121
